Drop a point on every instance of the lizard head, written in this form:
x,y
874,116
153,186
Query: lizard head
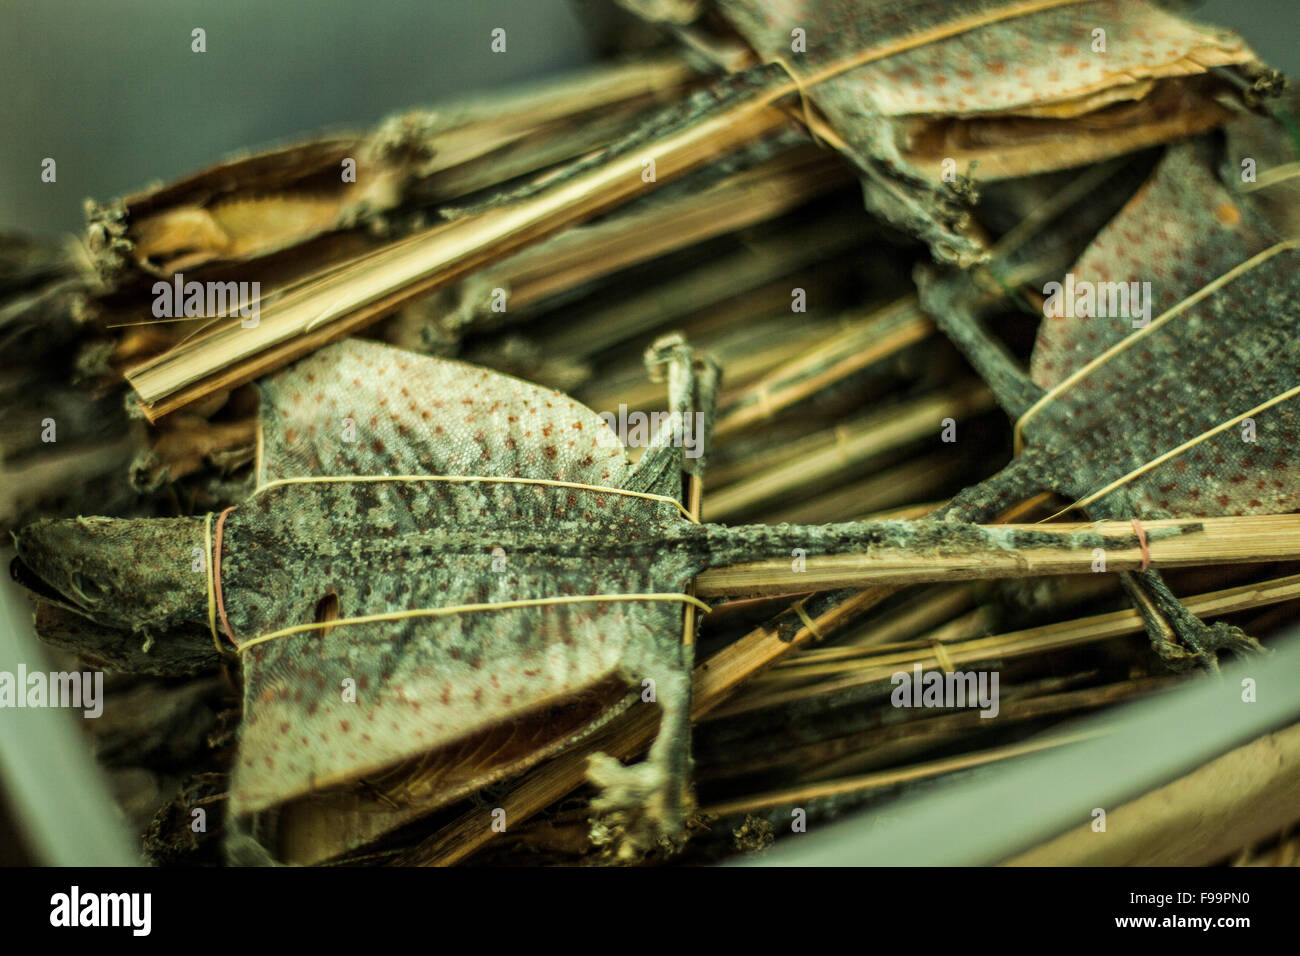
x,y
132,573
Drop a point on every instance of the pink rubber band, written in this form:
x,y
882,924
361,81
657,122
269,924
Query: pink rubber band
x,y
1142,543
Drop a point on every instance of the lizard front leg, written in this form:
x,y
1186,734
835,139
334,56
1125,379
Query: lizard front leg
x,y
682,444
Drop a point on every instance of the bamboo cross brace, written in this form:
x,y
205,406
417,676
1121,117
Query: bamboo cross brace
x,y
831,758
584,254
349,299
891,428
865,783
888,660
857,347
1204,541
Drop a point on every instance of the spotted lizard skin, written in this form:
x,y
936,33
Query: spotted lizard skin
x,y
425,682
1022,72
1223,356
1003,66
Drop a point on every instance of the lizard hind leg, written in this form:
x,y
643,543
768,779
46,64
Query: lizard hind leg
x,y
1018,481
644,806
1178,636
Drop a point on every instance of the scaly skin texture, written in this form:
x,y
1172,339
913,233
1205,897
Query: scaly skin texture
x,y
356,409
1004,81
330,705
147,577
1218,358
421,683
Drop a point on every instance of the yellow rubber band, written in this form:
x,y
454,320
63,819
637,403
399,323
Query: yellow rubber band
x,y
1174,452
465,479
1208,289
941,655
1272,177
807,621
470,608
803,98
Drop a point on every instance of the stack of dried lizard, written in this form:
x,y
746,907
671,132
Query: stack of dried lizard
x,y
392,598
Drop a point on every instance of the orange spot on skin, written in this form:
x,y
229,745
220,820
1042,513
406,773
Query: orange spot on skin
x,y
1227,214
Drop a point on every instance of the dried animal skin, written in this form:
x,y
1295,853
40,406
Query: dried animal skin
x,y
1226,286
420,683
157,228
306,553
1015,87
254,205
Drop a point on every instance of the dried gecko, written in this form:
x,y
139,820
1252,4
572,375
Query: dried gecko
x,y
1010,87
377,620
1110,401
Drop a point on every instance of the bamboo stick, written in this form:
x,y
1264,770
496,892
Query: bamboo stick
x,y
711,283
746,352
892,486
905,513
1285,853
586,253
1248,539
891,428
973,624
349,299
1036,640
883,335
854,786
498,137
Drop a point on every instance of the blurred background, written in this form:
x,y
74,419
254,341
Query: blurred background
x,y
113,93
